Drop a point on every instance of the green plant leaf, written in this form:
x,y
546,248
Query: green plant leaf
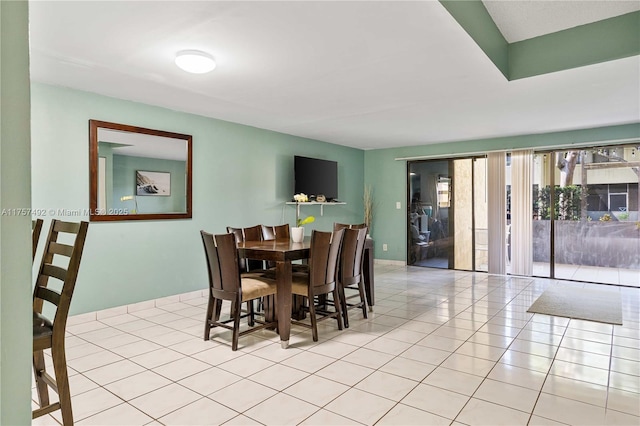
x,y
306,220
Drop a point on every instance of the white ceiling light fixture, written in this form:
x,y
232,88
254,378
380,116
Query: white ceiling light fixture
x,y
195,61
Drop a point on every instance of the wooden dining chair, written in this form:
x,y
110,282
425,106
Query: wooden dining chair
x,y
251,266
275,232
320,279
226,283
337,226
50,334
36,229
350,276
253,233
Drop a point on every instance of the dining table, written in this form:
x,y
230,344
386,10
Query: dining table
x,y
282,252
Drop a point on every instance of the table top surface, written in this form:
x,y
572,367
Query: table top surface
x,y
275,249
275,245
281,249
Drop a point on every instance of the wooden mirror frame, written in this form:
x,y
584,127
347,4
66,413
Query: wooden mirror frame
x,y
94,213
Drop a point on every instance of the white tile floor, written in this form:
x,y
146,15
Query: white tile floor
x,y
441,347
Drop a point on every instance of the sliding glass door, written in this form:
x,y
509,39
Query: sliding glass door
x,y
429,189
542,241
447,217
586,224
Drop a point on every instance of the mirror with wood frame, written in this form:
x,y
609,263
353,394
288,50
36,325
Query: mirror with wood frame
x,y
137,173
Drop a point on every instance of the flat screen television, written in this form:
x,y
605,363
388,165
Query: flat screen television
x,y
316,177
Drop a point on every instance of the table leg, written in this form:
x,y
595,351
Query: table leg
x,y
368,276
283,303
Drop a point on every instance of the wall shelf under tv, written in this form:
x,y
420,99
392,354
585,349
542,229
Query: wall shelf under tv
x,y
315,203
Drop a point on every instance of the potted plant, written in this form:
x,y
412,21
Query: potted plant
x,y
368,208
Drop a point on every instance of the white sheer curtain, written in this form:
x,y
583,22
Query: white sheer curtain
x,y
497,206
521,212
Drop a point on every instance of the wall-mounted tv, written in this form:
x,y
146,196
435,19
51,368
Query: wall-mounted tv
x,y
316,177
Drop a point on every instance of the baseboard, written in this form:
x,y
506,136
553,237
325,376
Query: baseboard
x,y
133,307
389,262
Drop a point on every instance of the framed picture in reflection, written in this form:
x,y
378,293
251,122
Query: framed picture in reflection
x,y
153,183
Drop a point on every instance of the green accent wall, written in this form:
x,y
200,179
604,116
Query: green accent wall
x,y
601,41
242,176
15,229
388,176
476,21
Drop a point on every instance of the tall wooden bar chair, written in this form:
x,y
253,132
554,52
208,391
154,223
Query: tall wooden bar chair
x,y
321,278
249,266
252,233
350,276
337,226
60,261
225,283
367,266
36,229
275,232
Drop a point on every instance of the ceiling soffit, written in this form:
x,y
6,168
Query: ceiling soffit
x,y
569,48
524,19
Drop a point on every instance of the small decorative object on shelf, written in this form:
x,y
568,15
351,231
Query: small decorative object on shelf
x,y
301,198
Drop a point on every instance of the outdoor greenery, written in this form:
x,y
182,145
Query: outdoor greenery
x,y
567,207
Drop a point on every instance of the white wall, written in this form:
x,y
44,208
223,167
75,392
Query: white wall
x,y
15,239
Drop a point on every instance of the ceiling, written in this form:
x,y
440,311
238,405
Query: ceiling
x,y
370,74
522,20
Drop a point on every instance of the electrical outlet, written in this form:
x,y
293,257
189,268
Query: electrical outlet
x,y
398,205
384,247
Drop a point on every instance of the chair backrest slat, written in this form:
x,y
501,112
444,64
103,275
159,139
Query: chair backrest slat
x,y
324,254
275,232
237,232
54,271
227,253
224,274
337,226
68,227
334,255
352,255
36,229
48,294
253,233
62,249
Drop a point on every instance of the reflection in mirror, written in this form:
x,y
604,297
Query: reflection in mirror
x,y
138,173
